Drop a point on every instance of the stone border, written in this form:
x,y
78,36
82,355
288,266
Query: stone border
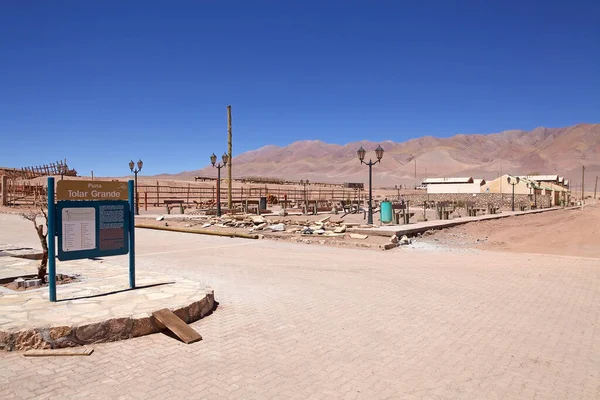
x,y
100,332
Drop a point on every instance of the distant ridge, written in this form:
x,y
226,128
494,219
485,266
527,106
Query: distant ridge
x,y
544,150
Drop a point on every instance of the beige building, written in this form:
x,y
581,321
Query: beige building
x,y
453,185
535,185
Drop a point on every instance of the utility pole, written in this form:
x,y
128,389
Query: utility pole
x,y
595,187
229,199
415,172
582,184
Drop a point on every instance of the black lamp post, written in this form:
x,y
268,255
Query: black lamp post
x,y
531,185
361,156
513,181
304,183
135,171
213,160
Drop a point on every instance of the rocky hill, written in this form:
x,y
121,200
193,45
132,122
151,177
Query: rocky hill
x,y
542,150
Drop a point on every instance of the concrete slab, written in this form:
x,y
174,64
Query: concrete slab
x,y
101,297
419,227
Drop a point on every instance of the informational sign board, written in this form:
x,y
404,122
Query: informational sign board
x,y
91,190
91,219
89,229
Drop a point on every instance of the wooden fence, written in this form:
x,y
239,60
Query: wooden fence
x,y
155,195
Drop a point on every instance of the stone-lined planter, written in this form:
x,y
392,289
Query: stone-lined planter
x,y
106,331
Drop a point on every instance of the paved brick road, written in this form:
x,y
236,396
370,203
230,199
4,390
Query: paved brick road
x,y
299,321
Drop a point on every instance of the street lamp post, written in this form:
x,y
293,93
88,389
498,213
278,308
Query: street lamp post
x,y
304,183
213,160
135,171
531,185
361,156
513,181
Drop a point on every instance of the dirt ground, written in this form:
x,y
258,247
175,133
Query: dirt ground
x,y
562,232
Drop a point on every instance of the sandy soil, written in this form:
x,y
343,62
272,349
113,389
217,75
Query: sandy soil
x,y
563,232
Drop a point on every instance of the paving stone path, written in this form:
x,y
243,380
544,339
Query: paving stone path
x,y
301,322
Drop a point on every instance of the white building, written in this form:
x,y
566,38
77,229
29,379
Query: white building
x,y
453,185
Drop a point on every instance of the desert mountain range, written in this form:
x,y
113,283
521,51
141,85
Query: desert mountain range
x,y
543,150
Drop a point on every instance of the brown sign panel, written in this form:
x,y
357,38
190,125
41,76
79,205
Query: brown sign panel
x,y
91,190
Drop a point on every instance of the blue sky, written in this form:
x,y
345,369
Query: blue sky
x,y
101,82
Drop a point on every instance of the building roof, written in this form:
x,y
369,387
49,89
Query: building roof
x,y
436,181
543,178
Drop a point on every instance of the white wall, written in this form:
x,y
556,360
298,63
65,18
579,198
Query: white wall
x,y
433,188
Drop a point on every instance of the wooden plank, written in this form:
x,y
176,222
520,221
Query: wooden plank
x,y
177,326
59,352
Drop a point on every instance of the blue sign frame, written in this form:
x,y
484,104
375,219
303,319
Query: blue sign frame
x,y
55,216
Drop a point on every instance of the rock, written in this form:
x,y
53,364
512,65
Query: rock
x,y
32,283
91,333
277,228
358,236
20,282
320,231
306,231
160,218
340,229
405,240
144,326
394,239
261,236
390,246
7,341
30,339
257,219
206,225
322,241
260,227
59,331
183,314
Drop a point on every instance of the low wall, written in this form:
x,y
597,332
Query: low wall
x,y
504,201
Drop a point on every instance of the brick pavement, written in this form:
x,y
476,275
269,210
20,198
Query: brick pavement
x,y
299,321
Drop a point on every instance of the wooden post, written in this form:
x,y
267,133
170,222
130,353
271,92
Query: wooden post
x,y
229,180
595,187
4,191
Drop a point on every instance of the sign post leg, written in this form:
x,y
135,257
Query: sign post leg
x,y
51,240
131,235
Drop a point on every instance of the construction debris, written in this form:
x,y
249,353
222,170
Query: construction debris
x,y
277,228
59,352
340,229
358,236
257,219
